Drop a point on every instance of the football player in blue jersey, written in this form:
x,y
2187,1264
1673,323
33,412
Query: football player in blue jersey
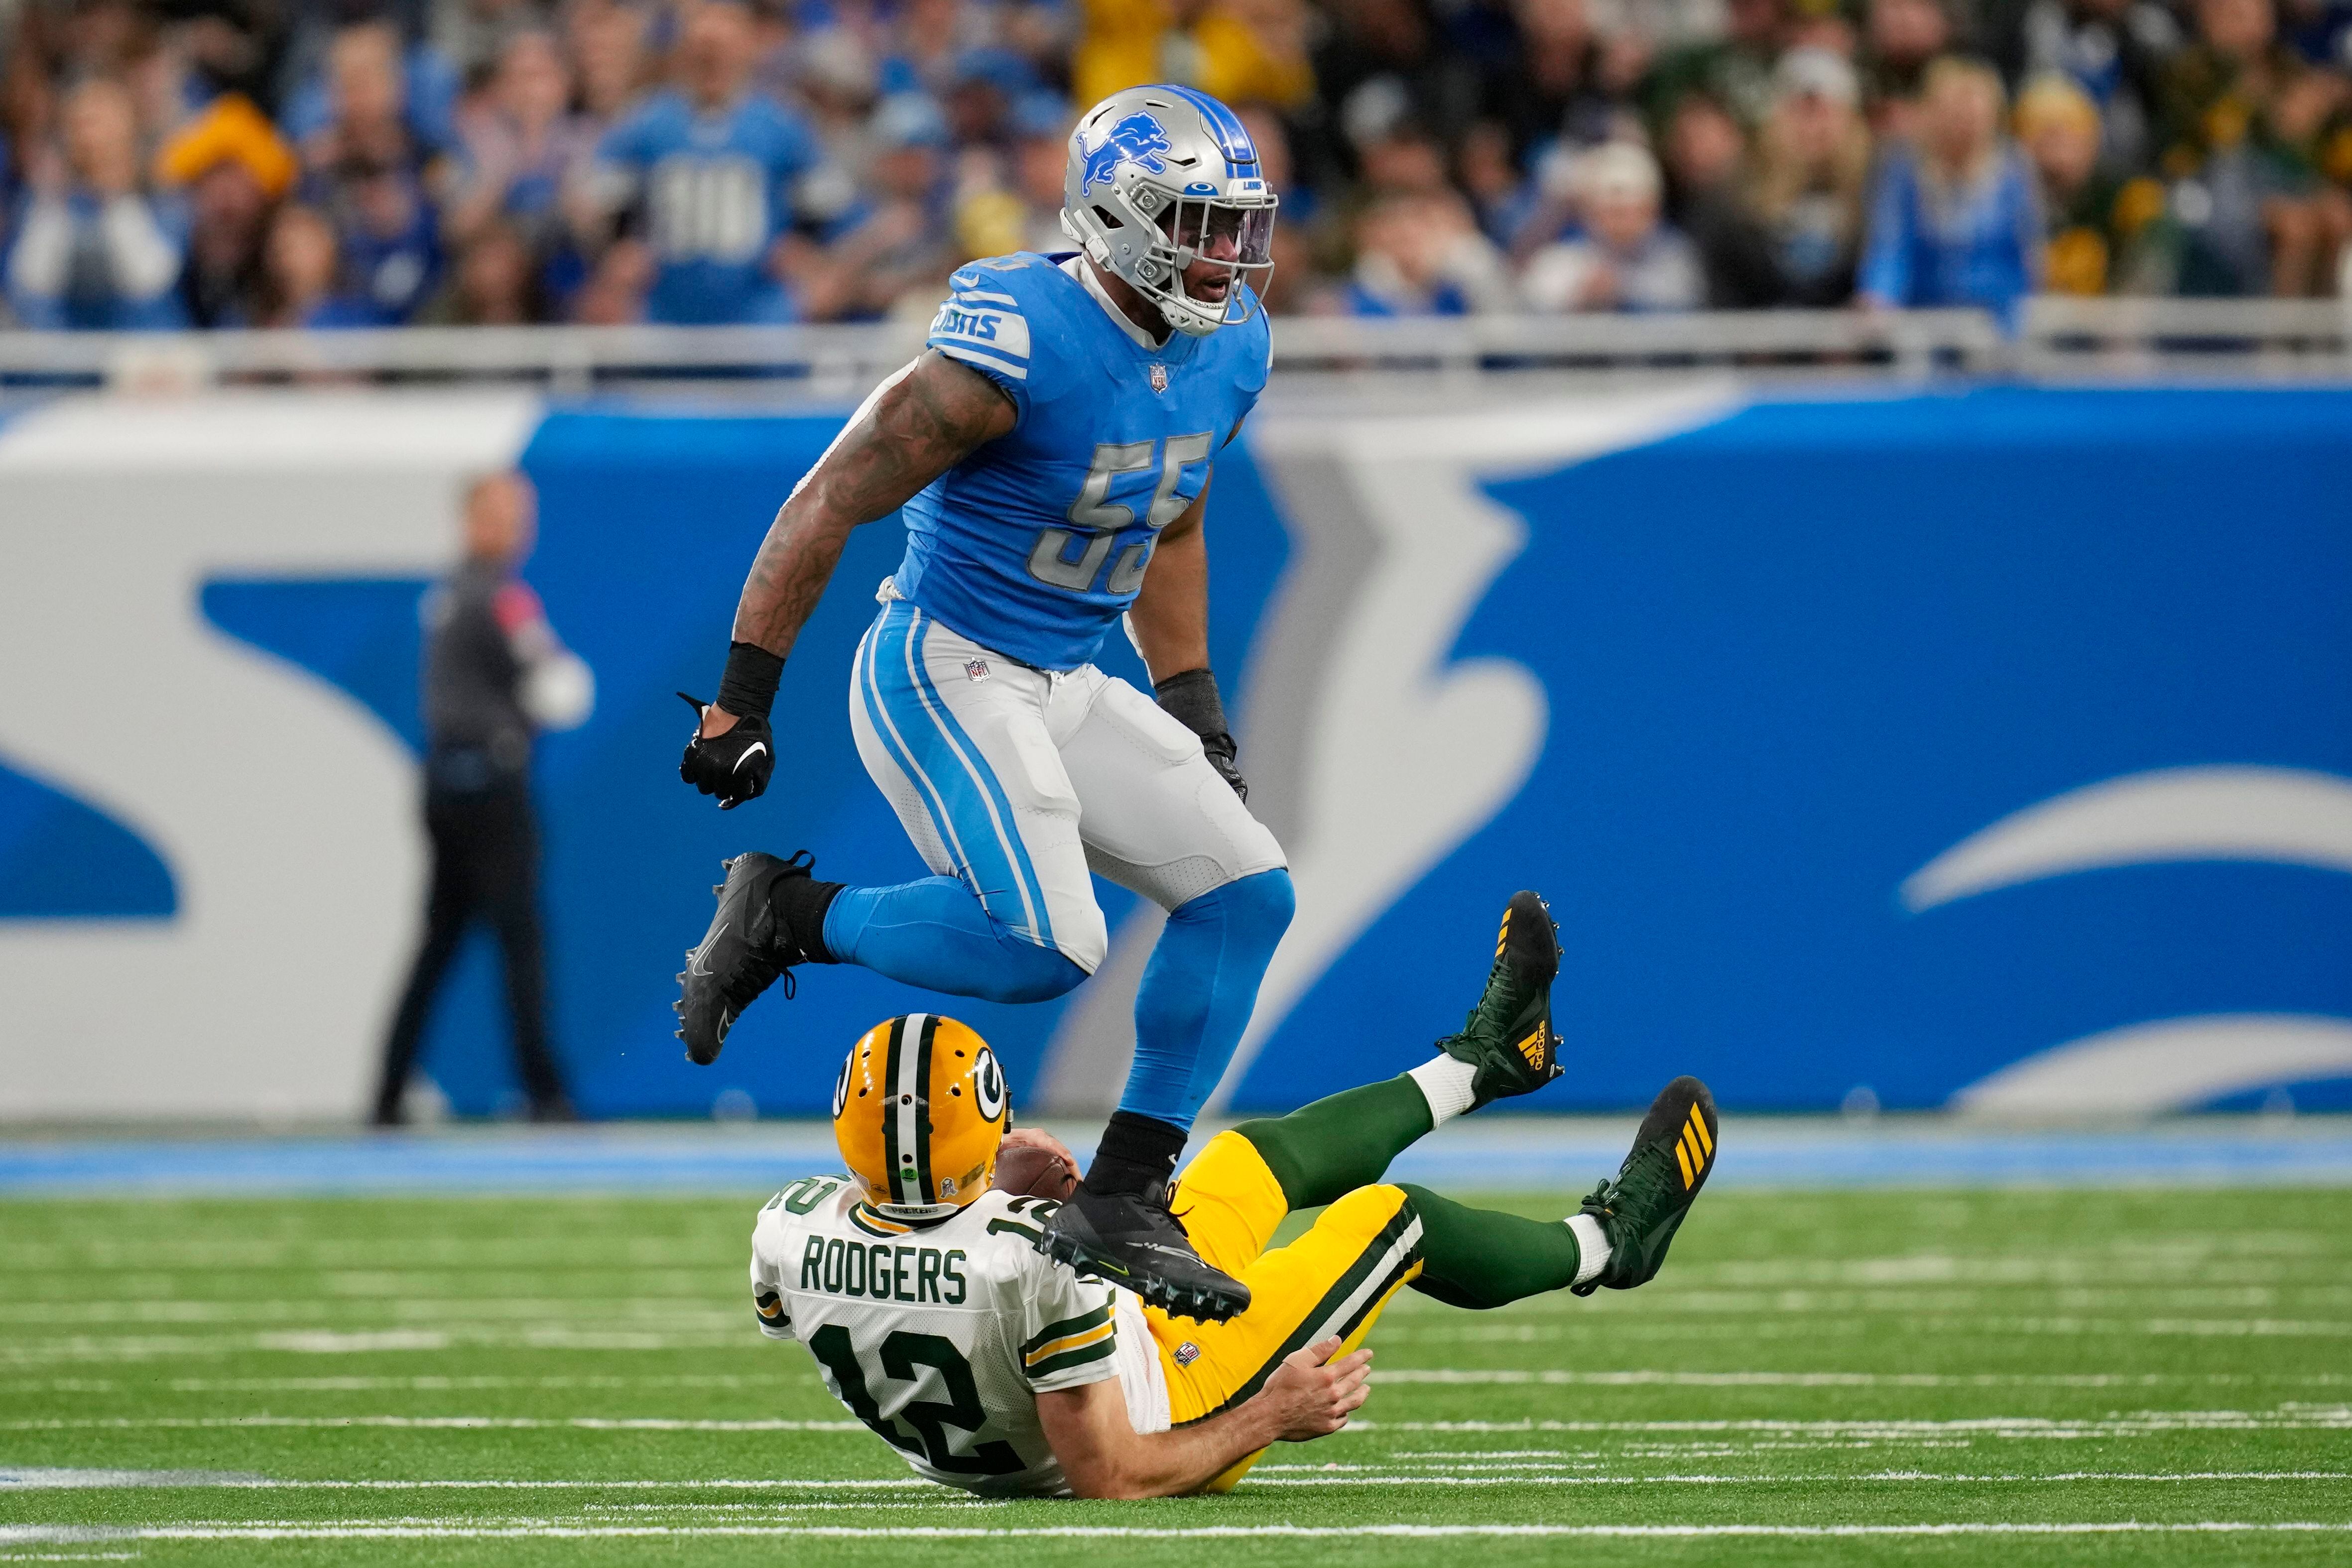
x,y
712,168
1051,451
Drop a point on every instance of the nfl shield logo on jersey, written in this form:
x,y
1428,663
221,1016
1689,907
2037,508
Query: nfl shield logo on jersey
x,y
1159,378
1187,1353
976,668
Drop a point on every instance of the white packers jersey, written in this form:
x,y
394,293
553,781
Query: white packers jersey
x,y
939,1337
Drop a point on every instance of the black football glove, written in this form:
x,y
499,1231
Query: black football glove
x,y
735,766
1220,751
1191,699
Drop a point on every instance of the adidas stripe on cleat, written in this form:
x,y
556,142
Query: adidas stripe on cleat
x,y
1642,1207
1508,1037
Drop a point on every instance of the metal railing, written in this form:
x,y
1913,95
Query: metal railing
x,y
2069,338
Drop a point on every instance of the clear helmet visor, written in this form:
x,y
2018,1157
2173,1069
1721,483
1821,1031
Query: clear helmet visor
x,y
1219,246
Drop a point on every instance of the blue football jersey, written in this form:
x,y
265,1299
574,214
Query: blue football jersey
x,y
1036,543
718,191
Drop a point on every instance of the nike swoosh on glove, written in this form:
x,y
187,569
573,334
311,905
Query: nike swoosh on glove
x,y
736,765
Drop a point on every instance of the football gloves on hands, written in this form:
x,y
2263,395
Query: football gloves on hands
x,y
1221,750
736,765
1191,699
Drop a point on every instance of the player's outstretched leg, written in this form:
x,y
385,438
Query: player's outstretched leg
x,y
1640,1209
1193,1004
770,917
1321,1152
1506,1045
1477,1258
933,932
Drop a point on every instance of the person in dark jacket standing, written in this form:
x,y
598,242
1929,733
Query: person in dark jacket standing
x,y
494,675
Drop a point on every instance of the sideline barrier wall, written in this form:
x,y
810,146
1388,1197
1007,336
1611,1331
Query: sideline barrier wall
x,y
1987,748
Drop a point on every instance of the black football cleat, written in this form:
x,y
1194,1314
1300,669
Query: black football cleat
x,y
1133,1241
1641,1210
1508,1036
748,946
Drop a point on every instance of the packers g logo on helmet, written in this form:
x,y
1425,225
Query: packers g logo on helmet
x,y
918,1111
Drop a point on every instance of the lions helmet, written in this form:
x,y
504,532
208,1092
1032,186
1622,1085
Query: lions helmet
x,y
1161,178
919,1111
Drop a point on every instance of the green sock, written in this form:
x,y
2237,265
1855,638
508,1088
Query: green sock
x,y
1476,1258
1322,1152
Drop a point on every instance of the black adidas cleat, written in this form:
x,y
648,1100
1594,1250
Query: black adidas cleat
x,y
1134,1242
1642,1209
1508,1036
748,946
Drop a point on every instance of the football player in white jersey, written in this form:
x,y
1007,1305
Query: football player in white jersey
x,y
916,1282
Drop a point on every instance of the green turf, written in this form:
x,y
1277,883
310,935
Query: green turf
x,y
1844,1360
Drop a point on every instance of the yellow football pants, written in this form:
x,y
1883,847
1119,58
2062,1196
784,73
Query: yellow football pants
x,y
1333,1281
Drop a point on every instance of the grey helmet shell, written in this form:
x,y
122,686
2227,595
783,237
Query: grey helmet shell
x,y
1155,172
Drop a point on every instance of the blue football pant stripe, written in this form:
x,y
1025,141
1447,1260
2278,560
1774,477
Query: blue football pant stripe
x,y
1001,816
972,823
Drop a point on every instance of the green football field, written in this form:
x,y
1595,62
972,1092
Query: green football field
x,y
1948,1378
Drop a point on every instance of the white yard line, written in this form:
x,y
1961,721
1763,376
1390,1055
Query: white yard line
x,y
1554,1377
436,1423
1335,1475
27,1535
2310,1418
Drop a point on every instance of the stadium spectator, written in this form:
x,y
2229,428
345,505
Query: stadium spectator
x,y
1706,165
1025,213
235,168
898,243
496,283
2243,123
522,149
473,34
1238,51
1625,258
2116,51
1553,86
1955,219
608,44
1423,256
1811,178
1379,63
390,235
301,274
2107,234
1735,70
375,100
93,249
709,168
1902,39
720,160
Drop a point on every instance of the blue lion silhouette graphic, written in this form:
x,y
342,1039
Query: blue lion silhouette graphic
x,y
1138,138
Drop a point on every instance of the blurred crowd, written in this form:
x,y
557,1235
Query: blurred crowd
x,y
330,163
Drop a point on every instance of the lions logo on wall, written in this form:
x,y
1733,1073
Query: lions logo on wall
x,y
1138,139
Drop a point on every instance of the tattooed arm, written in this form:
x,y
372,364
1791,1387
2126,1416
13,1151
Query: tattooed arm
x,y
918,426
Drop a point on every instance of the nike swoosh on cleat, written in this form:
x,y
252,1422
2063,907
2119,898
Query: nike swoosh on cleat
x,y
755,745
694,959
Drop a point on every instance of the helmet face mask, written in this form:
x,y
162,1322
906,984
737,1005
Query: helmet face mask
x,y
1160,182
919,1111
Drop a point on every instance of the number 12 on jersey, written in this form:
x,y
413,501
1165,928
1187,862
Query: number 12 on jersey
x,y
1073,558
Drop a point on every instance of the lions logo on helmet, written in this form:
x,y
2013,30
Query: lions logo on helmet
x,y
1138,138
918,1111
1163,190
